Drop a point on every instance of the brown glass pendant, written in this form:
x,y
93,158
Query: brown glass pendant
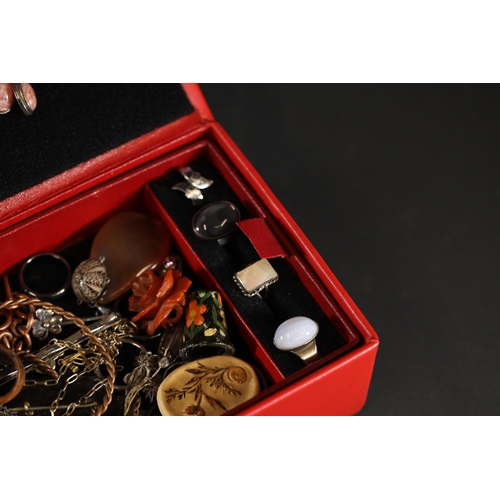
x,y
131,243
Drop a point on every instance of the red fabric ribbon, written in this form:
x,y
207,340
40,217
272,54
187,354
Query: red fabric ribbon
x,y
262,238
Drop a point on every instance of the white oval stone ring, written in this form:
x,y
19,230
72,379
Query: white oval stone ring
x,y
298,335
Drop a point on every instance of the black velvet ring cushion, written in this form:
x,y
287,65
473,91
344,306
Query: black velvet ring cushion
x,y
286,298
74,123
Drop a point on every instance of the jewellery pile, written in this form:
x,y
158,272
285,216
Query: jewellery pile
x,y
56,362
123,325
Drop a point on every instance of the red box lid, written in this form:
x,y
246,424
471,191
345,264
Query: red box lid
x,y
46,157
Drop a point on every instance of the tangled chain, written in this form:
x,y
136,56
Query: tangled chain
x,y
14,333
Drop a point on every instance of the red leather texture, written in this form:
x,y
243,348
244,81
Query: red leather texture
x,y
72,205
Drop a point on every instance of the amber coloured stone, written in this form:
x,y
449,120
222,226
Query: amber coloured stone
x,y
131,243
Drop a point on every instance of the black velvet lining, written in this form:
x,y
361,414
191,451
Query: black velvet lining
x,y
286,298
74,123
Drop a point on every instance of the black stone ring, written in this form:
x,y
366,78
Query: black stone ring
x,y
216,221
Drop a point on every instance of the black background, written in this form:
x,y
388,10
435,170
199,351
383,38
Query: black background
x,y
397,186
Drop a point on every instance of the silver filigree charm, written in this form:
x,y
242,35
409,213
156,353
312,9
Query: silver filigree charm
x,y
89,280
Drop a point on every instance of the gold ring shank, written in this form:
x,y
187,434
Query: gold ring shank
x,y
308,353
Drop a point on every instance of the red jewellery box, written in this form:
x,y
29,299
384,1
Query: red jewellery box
x,y
224,286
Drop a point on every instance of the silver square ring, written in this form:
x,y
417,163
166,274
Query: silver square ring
x,y
256,277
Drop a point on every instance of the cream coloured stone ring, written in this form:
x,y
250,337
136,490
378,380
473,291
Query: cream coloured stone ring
x,y
298,335
256,277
